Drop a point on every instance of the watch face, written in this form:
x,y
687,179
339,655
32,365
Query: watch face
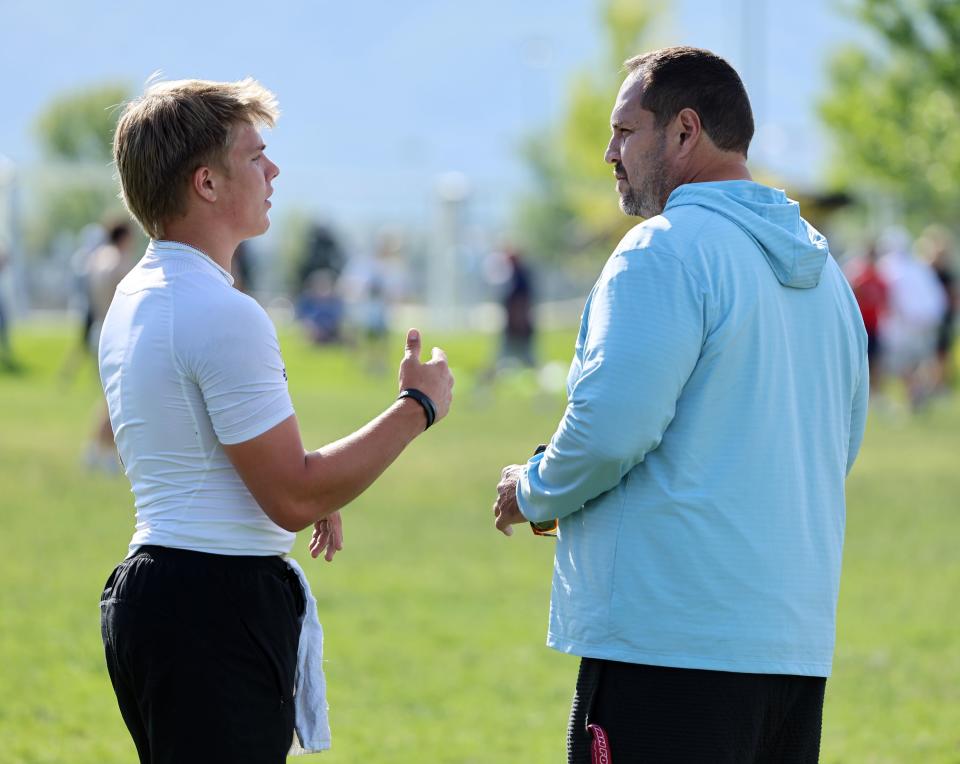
x,y
546,528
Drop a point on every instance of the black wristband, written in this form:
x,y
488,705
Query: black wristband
x,y
424,400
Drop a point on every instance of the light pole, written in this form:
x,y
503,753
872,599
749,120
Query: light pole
x,y
10,237
443,284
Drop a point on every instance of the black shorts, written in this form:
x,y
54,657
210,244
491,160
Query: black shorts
x,y
202,653
690,716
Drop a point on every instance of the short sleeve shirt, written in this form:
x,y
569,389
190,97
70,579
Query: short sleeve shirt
x,y
188,363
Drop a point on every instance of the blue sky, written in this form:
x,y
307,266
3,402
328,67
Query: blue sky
x,y
379,98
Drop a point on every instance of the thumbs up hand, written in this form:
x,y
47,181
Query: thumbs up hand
x,y
432,378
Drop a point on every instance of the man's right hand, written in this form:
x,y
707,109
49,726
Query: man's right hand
x,y
432,378
505,508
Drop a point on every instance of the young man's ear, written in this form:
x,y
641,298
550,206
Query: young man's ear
x,y
204,184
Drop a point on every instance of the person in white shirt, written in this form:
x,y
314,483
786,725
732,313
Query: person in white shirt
x,y
104,269
916,307
201,621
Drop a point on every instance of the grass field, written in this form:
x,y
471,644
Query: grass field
x,y
435,623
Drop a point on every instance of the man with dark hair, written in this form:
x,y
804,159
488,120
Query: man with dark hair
x,y
716,401
675,78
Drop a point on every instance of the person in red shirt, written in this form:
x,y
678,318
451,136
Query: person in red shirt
x,y
870,289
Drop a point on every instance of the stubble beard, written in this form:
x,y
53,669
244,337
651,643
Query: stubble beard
x,y
649,198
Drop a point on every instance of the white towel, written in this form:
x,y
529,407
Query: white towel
x,y
311,728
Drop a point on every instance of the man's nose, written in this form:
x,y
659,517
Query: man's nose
x,y
273,171
612,154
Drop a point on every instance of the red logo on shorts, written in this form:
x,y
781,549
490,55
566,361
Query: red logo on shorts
x,y
600,749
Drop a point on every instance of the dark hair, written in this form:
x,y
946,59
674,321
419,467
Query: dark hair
x,y
118,232
682,77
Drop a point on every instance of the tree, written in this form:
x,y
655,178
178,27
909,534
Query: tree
x,y
78,126
572,212
76,187
894,107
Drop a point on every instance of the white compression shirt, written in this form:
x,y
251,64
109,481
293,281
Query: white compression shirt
x,y
188,363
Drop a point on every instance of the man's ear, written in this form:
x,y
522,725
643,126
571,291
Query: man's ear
x,y
688,130
204,183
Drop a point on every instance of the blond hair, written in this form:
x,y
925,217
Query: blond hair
x,y
175,127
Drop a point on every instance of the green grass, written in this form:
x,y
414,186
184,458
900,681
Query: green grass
x,y
434,622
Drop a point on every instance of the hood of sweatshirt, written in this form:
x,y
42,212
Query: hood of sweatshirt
x,y
795,251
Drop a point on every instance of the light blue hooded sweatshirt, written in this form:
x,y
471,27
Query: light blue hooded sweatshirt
x,y
716,401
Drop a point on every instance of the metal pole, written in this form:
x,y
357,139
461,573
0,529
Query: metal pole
x,y
443,297
12,240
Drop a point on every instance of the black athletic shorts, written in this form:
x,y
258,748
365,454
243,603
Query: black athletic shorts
x,y
657,715
202,653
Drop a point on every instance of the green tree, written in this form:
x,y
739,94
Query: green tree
x,y
894,107
76,185
78,126
572,212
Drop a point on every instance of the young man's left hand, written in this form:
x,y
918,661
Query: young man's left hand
x,y
327,535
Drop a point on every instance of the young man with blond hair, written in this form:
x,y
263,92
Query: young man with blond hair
x,y
202,621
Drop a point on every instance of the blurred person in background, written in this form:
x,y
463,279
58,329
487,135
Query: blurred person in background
x,y
7,361
320,309
936,247
91,237
322,252
517,299
241,268
375,285
870,289
105,268
210,632
507,273
716,401
916,307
